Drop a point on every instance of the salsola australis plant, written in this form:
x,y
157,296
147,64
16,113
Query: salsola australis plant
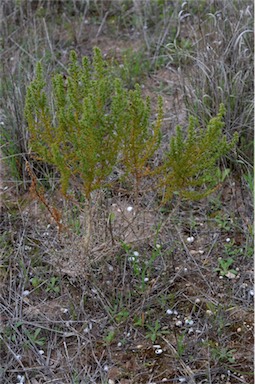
x,y
190,167
88,123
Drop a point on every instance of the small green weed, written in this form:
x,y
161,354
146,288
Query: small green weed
x,y
110,336
154,332
34,337
222,354
180,344
53,285
224,267
223,222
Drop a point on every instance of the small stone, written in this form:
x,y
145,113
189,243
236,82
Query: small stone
x,y
129,209
156,346
251,292
230,275
106,368
197,301
158,351
239,330
110,268
169,312
158,246
41,352
228,240
178,323
111,381
208,312
189,322
136,254
146,279
119,344
190,239
25,293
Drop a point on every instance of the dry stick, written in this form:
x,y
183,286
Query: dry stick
x,y
102,24
55,214
50,45
18,360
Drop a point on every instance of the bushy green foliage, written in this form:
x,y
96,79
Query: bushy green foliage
x,y
94,124
91,123
190,167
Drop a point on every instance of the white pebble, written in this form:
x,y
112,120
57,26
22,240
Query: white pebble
x,y
251,292
106,368
136,254
189,322
129,209
169,312
25,293
175,312
41,352
158,351
119,344
110,268
21,379
158,246
197,301
110,381
146,279
228,240
157,346
239,330
178,323
208,312
190,239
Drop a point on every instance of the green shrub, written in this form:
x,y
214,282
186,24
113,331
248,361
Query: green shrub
x,y
190,167
89,124
94,125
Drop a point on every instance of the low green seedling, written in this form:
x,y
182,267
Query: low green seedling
x,y
223,354
110,336
224,267
35,338
53,285
180,345
154,332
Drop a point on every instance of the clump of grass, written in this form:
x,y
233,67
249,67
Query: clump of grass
x,y
218,68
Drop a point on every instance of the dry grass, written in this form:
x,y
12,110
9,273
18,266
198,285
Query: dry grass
x,y
102,327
